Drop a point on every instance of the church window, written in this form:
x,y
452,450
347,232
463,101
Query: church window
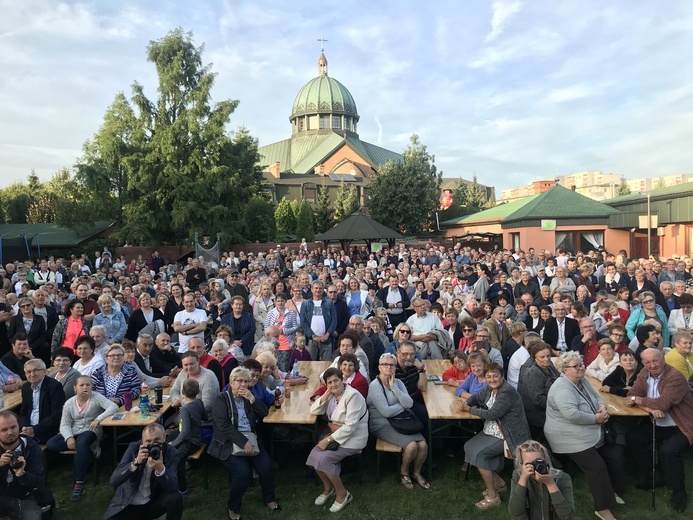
x,y
324,122
301,124
336,122
309,192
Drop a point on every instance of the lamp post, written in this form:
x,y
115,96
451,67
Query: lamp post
x,y
649,227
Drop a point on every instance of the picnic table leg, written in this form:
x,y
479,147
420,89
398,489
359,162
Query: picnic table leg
x,y
430,450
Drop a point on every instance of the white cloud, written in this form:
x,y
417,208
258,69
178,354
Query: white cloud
x,y
503,12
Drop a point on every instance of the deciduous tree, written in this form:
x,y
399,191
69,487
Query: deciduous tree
x,y
259,220
404,195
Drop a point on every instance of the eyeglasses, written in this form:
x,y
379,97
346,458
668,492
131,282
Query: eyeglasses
x,y
577,367
242,381
255,376
26,305
405,331
390,365
647,301
114,356
467,329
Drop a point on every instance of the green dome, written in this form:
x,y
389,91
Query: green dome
x,y
324,95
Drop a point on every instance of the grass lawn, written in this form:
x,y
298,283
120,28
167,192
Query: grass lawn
x,y
450,497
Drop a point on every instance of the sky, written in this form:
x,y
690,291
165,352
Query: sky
x,y
509,90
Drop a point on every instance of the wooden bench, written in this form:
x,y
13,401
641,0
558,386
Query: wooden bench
x,y
96,463
381,447
197,456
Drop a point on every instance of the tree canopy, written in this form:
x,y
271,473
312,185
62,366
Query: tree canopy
x,y
168,167
404,195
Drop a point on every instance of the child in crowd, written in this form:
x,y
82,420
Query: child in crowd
x,y
599,317
520,310
299,352
188,438
459,370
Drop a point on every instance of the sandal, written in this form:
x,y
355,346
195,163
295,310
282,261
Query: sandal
x,y
421,481
488,503
406,481
499,489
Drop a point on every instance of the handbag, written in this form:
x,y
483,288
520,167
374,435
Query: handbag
x,y
334,444
406,422
239,451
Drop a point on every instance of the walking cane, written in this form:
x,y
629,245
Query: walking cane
x,y
654,457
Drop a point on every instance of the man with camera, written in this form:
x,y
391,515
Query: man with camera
x,y
145,480
21,465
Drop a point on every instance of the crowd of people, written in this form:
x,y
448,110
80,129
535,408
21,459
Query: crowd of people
x,y
524,331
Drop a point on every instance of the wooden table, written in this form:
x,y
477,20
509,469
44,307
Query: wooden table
x,y
12,399
439,401
132,420
614,403
296,407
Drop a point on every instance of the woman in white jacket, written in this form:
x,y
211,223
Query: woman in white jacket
x,y
80,428
605,362
347,413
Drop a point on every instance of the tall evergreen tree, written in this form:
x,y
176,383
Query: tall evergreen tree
x,y
304,222
285,218
347,201
475,198
623,188
324,215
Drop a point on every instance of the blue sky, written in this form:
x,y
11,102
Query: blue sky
x,y
510,90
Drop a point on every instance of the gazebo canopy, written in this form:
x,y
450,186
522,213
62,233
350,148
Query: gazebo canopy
x,y
359,227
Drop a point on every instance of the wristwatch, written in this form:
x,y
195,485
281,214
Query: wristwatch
x,y
422,370
633,399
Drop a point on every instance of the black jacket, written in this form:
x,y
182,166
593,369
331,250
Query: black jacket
x,y
225,418
51,401
37,335
572,330
127,482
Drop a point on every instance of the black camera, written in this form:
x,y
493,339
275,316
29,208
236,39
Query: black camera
x,y
15,463
540,466
155,450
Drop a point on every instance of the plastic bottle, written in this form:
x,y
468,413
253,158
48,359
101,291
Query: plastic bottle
x,y
296,371
277,395
144,399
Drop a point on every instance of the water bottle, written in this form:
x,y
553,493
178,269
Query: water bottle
x,y
296,371
2,399
144,399
144,405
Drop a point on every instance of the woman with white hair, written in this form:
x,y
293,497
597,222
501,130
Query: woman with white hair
x,y
575,425
112,321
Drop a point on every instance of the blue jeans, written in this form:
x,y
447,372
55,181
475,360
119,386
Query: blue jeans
x,y
83,443
241,476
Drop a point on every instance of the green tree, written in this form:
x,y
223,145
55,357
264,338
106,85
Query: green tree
x,y
623,188
285,218
42,210
347,201
304,222
259,220
660,183
16,199
185,173
324,215
108,158
404,195
475,198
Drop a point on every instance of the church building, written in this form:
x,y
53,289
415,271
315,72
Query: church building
x,y
324,149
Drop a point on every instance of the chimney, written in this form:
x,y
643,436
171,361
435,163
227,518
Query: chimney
x,y
320,170
275,170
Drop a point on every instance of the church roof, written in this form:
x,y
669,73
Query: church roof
x,y
324,95
301,154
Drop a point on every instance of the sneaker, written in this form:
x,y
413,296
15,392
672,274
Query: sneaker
x,y
76,495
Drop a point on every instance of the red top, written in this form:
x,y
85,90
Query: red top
x,y
455,373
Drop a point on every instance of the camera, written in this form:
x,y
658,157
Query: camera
x,y
15,463
155,450
540,466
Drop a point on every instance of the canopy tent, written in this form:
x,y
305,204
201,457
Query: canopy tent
x,y
359,227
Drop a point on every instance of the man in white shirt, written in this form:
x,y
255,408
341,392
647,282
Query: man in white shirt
x,y
421,325
189,323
